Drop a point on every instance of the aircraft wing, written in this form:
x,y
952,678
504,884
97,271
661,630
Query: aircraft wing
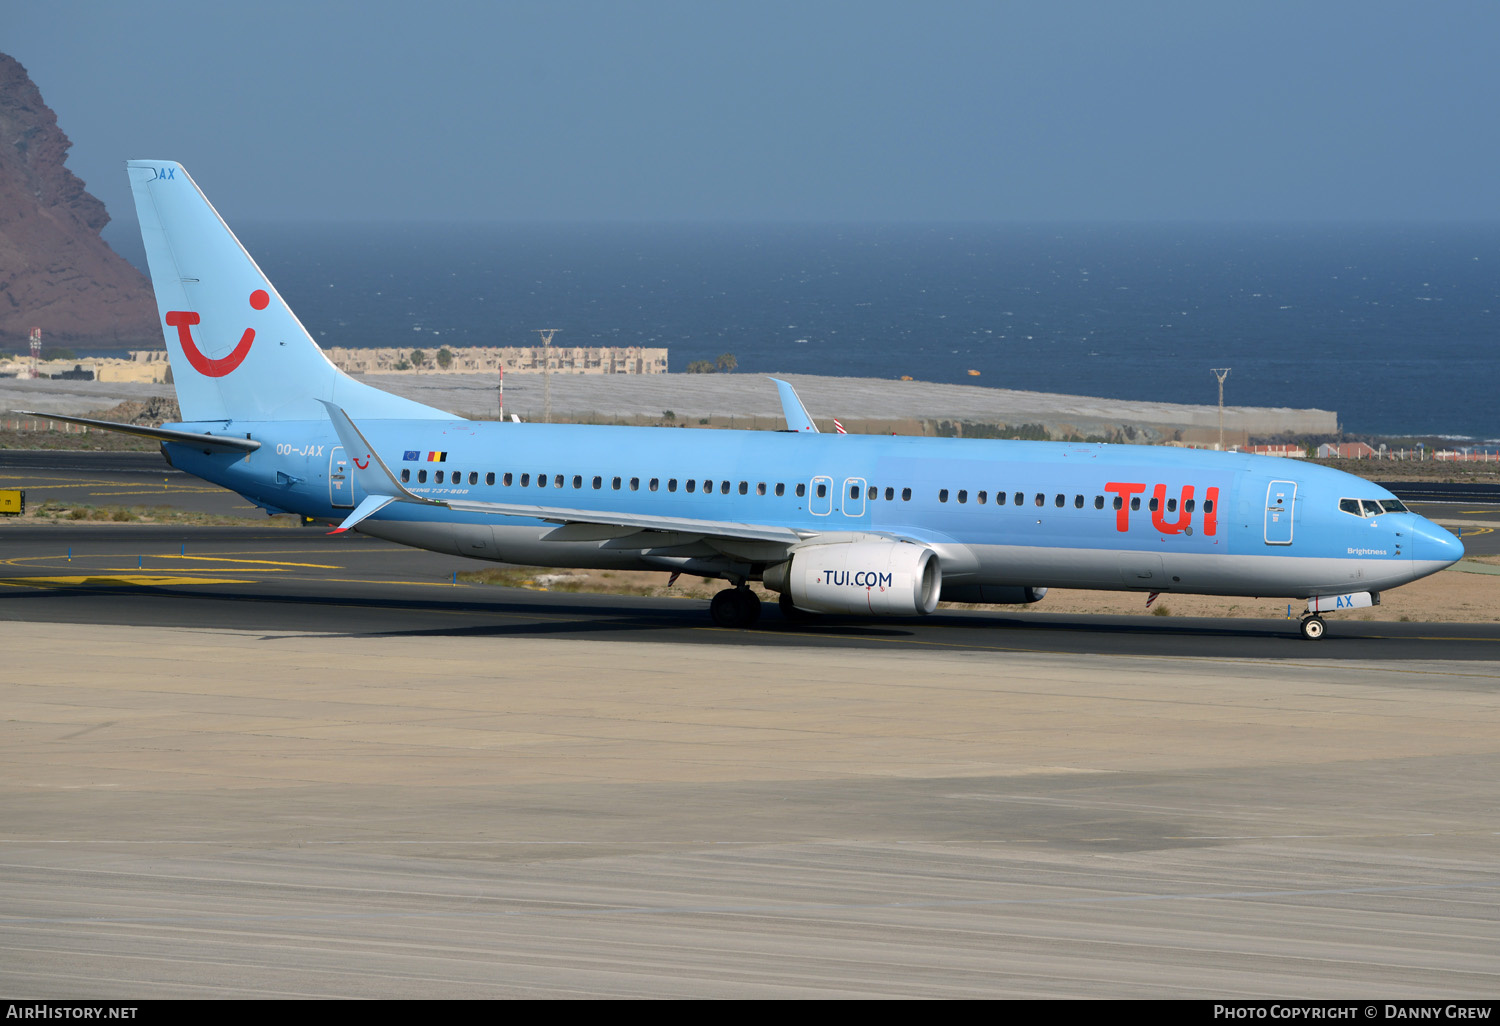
x,y
629,522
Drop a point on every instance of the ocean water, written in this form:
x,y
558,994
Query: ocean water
x,y
1392,326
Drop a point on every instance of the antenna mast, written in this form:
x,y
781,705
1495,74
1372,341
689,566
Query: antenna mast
x,y
1221,373
546,334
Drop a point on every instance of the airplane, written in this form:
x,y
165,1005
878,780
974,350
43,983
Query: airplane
x,y
862,525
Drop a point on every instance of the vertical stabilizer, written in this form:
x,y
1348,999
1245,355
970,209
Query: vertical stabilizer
x,y
237,350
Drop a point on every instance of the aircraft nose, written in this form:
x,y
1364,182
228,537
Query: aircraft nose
x,y
1434,544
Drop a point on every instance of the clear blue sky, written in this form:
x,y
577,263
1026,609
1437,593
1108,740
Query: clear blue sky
x,y
866,110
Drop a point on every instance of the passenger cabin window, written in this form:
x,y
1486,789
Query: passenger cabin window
x,y
1190,505
635,484
439,477
473,477
760,488
874,492
854,491
980,497
1208,505
1019,499
525,480
405,474
577,481
890,494
652,484
489,478
692,484
421,477
1098,502
1078,502
822,490
671,484
963,495
744,488
1135,503
942,495
723,487
541,480
507,480
1060,501
780,488
801,489
906,495
1041,500
598,482
615,484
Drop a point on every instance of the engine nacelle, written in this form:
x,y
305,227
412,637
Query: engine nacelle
x,y
869,578
993,594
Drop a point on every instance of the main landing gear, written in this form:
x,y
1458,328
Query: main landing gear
x,y
735,607
1313,627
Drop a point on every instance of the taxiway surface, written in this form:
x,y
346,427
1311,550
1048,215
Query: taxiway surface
x,y
269,762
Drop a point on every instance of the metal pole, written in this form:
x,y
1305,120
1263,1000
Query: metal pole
x,y
546,334
1221,373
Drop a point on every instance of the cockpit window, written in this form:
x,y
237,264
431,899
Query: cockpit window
x,y
1371,507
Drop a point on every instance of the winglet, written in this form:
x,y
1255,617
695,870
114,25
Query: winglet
x,y
372,475
796,414
372,504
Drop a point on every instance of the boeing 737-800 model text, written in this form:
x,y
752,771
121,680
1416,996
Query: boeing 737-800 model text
x,y
867,525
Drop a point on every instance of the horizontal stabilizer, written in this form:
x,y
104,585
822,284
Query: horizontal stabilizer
x,y
219,443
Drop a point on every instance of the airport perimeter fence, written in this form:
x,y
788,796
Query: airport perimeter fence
x,y
42,424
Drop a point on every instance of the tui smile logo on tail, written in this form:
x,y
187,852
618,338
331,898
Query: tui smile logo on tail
x,y
183,321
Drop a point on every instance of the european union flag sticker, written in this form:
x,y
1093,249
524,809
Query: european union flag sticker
x,y
411,454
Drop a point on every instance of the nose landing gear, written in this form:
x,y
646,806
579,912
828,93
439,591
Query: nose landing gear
x,y
1313,627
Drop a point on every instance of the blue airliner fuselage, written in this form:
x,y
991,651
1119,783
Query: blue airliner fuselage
x,y
872,525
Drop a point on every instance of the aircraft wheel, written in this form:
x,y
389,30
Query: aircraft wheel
x,y
735,607
751,603
1313,627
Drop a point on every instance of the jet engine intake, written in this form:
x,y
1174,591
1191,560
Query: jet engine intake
x,y
869,578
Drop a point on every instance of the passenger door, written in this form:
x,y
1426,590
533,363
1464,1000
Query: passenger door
x,y
853,501
1281,499
340,481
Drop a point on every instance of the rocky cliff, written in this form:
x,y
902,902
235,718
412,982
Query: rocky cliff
x,y
56,273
